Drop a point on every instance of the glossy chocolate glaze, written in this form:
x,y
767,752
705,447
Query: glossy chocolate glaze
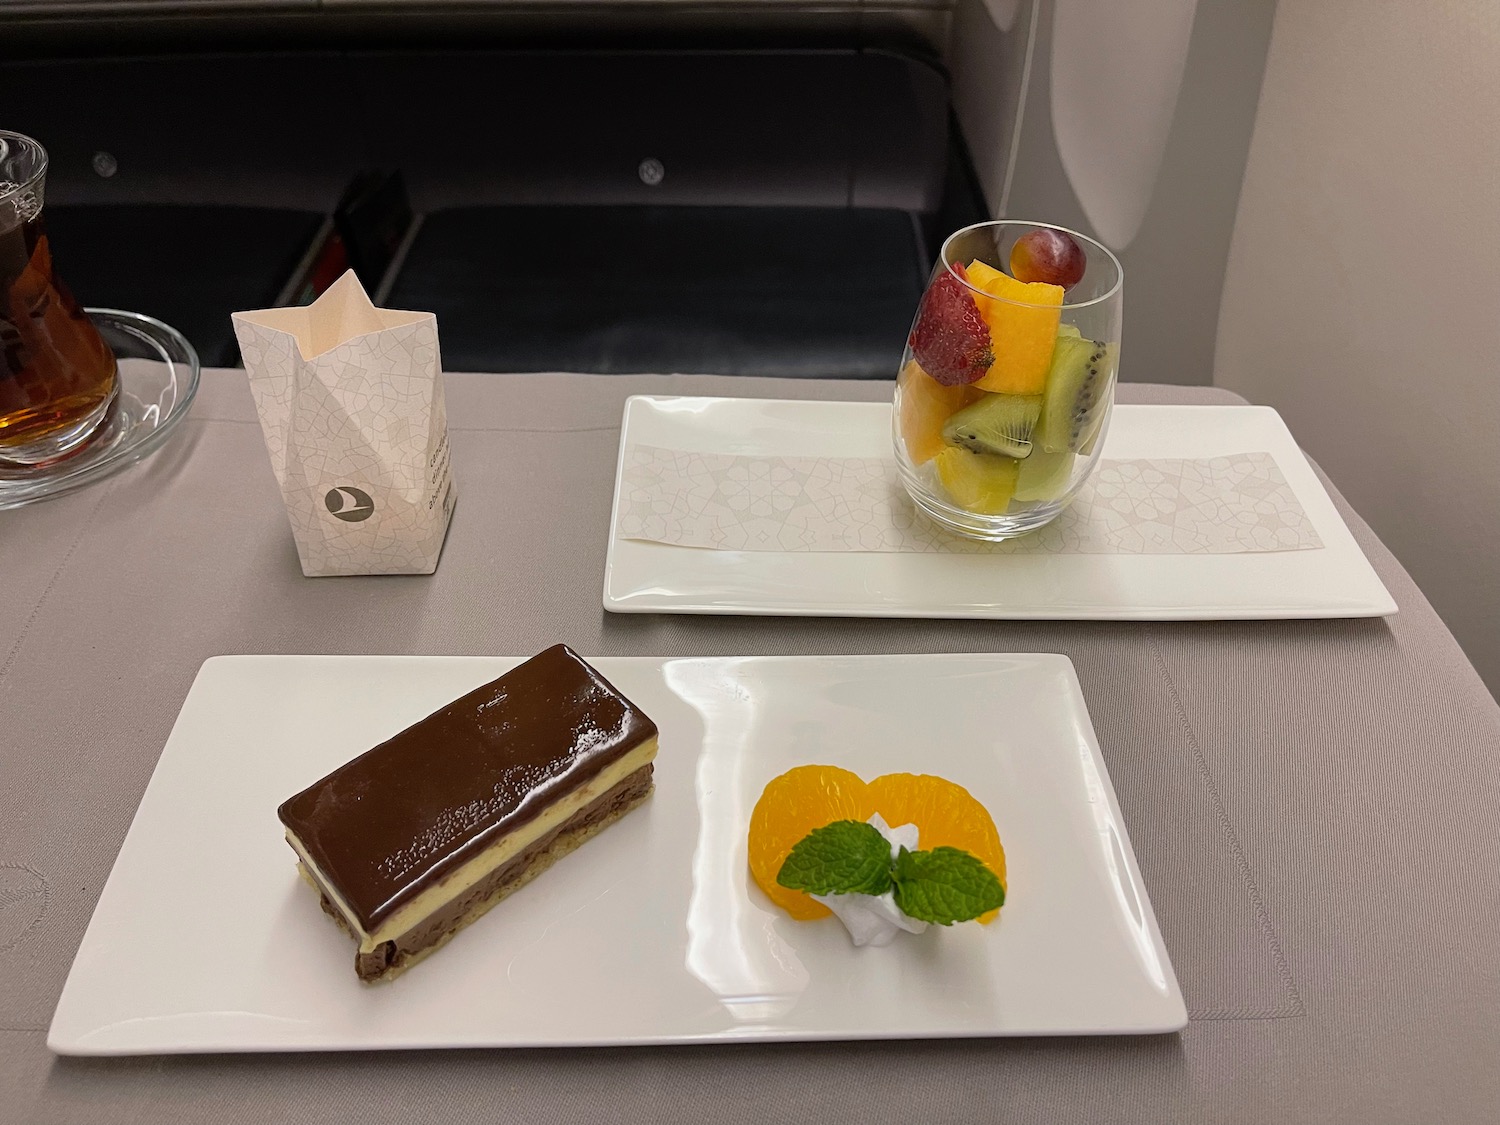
x,y
405,815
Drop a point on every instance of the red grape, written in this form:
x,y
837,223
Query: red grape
x,y
1047,255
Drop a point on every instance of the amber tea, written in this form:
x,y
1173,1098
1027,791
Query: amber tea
x,y
58,379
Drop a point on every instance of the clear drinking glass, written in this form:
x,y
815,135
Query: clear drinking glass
x,y
1006,386
58,378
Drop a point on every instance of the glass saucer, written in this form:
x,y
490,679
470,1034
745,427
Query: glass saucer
x,y
158,379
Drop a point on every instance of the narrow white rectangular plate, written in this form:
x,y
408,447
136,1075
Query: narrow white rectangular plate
x,y
206,939
642,577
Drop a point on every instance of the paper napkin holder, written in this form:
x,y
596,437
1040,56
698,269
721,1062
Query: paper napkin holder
x,y
350,399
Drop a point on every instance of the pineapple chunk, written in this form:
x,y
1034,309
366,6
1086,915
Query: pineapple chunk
x,y
982,483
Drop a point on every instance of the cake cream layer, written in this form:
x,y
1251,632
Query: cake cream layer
x,y
454,886
396,825
392,958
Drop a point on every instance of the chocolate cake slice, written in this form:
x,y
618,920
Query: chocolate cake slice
x,y
413,840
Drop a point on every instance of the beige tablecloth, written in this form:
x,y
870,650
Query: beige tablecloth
x,y
1312,803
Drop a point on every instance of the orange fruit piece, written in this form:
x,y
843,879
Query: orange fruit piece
x,y
946,816
978,482
1023,329
809,797
791,806
925,404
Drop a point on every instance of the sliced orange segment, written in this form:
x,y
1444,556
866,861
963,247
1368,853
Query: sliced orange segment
x,y
792,805
809,797
946,816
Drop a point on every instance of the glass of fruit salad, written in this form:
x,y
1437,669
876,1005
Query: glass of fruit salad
x,y
1005,389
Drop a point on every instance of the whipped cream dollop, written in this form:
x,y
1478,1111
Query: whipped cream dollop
x,y
876,919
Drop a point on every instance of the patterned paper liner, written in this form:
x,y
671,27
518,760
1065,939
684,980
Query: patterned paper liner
x,y
1235,504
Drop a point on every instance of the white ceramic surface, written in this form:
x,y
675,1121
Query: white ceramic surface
x,y
205,938
643,577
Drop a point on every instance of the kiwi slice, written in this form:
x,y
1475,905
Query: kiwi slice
x,y
1077,385
998,424
1044,476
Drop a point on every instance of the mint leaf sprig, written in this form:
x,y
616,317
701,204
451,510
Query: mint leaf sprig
x,y
941,886
842,858
945,885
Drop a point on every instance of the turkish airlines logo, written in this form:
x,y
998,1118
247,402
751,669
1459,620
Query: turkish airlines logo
x,y
352,505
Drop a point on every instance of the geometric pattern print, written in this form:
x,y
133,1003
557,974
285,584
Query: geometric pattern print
x,y
368,414
1236,504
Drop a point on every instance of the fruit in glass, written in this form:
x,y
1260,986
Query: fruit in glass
x,y
1006,386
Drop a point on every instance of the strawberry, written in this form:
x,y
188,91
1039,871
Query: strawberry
x,y
950,339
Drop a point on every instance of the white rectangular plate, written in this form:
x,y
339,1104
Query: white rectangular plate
x,y
205,938
642,577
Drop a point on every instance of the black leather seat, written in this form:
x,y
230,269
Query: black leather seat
x,y
188,265
747,212
789,291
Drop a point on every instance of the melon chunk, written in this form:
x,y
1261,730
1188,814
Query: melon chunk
x,y
1022,333
925,405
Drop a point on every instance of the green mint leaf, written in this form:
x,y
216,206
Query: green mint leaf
x,y
845,857
944,886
